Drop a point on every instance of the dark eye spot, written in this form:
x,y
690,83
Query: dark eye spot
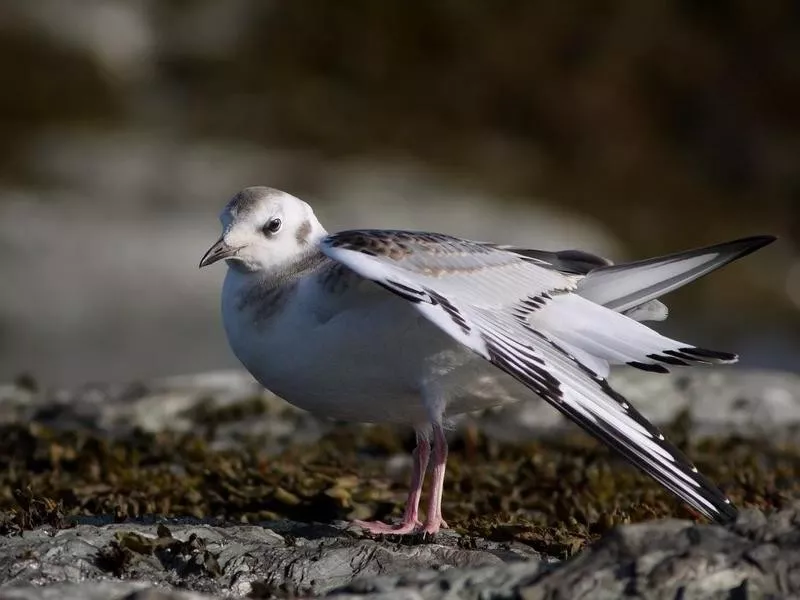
x,y
272,226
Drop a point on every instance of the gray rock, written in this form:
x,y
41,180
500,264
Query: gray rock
x,y
101,590
718,401
170,403
276,558
758,556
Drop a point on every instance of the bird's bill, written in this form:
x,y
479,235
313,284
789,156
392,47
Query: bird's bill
x,y
219,251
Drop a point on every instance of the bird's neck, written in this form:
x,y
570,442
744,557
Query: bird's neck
x,y
278,275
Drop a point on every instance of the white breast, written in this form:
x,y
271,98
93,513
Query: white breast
x,y
371,361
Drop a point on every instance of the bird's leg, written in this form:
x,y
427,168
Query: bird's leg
x,y
421,456
433,520
410,522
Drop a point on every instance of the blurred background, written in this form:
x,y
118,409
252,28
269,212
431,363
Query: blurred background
x,y
626,128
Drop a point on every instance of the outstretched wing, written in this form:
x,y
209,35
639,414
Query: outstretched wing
x,y
522,315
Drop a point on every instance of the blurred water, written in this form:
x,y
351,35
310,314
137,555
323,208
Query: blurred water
x,y
132,122
103,258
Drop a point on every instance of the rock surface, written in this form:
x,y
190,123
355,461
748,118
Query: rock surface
x,y
716,401
756,557
281,558
667,559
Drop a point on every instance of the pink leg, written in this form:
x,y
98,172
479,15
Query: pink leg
x,y
410,522
434,520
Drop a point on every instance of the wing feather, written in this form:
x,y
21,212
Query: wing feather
x,y
484,296
626,286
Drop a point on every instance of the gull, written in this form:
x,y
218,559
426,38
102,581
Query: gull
x,y
407,327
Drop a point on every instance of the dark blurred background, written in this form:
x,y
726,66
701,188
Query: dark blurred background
x,y
628,128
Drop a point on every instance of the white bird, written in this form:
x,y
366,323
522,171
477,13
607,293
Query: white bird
x,y
409,327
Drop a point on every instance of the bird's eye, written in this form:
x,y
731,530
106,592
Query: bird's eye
x,y
272,226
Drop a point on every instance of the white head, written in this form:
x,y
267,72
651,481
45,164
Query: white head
x,y
265,230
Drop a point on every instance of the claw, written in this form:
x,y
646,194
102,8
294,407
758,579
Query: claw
x,y
381,528
433,527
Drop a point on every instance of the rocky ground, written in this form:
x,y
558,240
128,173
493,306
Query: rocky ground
x,y
205,487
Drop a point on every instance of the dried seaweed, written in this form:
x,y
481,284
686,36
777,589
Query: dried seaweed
x,y
555,495
185,558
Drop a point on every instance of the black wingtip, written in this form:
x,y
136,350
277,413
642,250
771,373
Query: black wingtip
x,y
727,514
748,245
649,367
670,360
712,355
